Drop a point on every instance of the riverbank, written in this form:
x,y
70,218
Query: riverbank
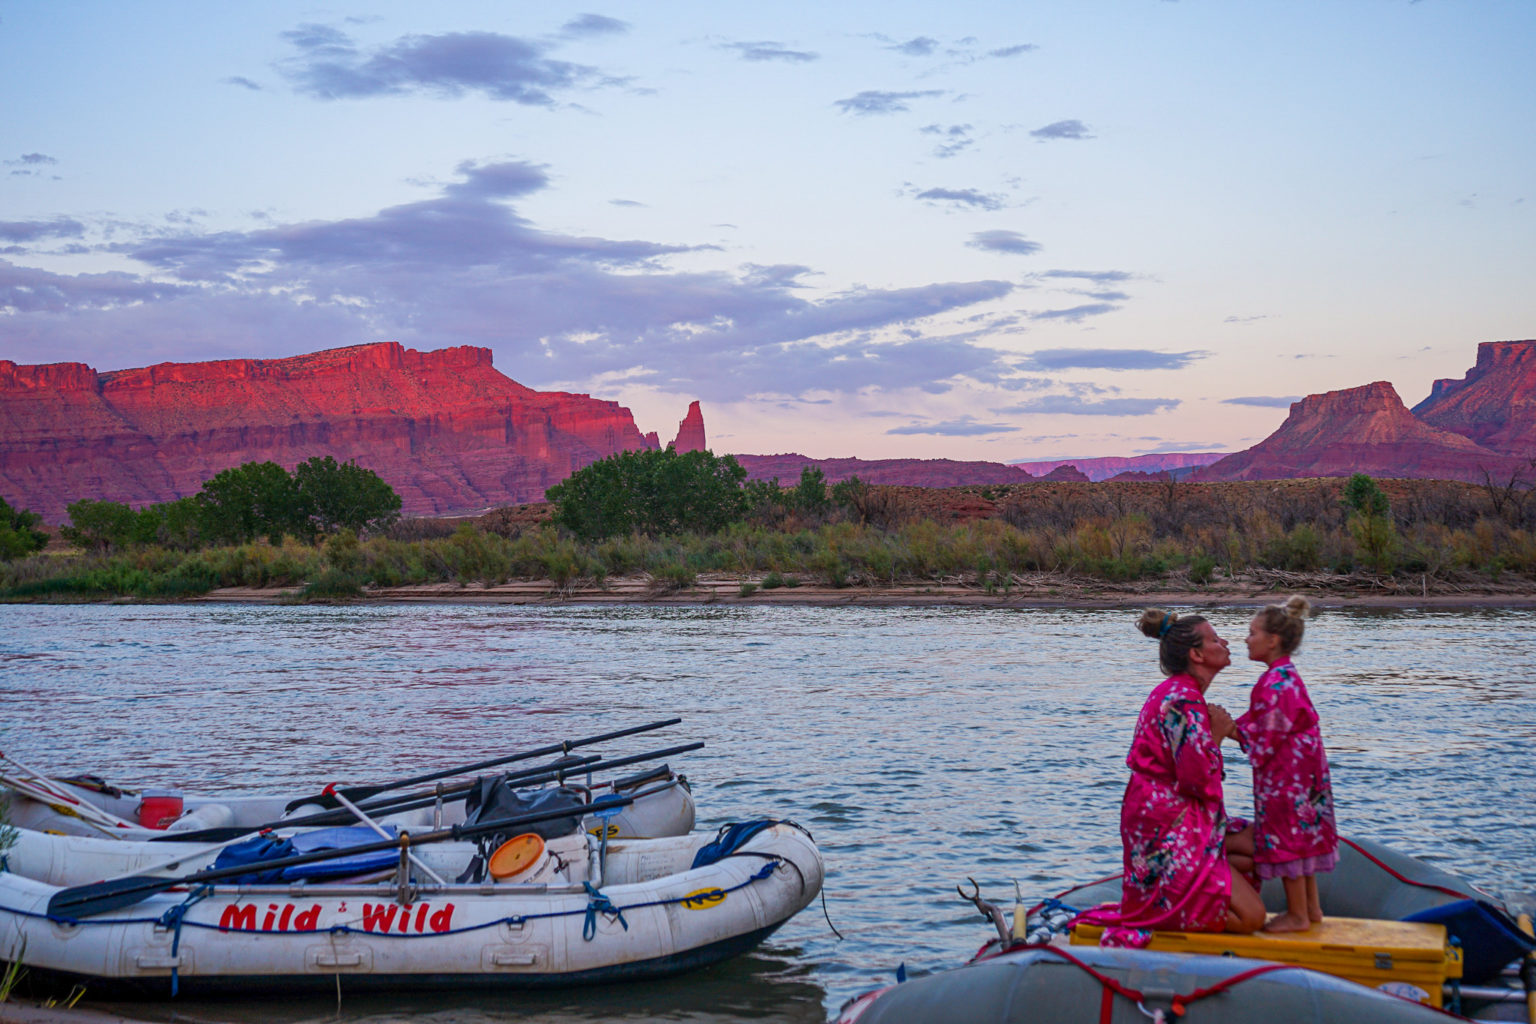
x,y
1044,590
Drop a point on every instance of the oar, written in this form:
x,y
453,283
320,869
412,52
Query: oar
x,y
527,777
360,793
62,803
83,901
388,805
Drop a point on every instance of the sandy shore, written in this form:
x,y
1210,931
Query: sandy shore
x,y
1045,591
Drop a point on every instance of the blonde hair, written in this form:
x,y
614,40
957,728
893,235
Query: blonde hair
x,y
1287,621
1176,636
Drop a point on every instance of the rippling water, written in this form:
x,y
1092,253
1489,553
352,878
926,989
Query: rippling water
x,y
920,746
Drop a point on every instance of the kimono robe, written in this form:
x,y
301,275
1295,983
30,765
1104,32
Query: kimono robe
x,y
1172,821
1293,826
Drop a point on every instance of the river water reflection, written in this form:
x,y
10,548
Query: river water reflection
x,y
919,745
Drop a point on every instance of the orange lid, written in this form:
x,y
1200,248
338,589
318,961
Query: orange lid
x,y
516,855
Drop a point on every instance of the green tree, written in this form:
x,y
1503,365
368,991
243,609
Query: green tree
x,y
1365,496
19,533
254,500
100,525
1370,521
336,496
810,494
173,524
651,492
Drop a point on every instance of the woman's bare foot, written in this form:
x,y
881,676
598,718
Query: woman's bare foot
x,y
1287,922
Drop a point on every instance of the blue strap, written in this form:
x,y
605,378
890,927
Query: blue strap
x,y
598,903
172,918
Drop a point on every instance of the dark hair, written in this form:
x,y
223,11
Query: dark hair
x,y
1176,635
1287,621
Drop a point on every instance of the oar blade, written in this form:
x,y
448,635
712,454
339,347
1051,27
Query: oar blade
x,y
82,901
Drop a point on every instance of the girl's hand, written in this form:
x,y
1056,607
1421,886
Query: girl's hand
x,y
1222,725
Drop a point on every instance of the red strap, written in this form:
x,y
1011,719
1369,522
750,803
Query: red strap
x,y
1180,1002
1422,885
1106,1005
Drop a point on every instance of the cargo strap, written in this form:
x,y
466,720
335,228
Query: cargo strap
x,y
172,919
597,903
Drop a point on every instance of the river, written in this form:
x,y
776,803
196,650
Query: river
x,y
921,746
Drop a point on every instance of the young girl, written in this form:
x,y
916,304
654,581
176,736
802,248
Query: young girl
x,y
1293,829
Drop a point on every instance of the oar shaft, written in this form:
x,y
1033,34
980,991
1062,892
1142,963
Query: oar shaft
x,y
563,747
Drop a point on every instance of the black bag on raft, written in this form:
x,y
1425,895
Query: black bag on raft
x,y
494,798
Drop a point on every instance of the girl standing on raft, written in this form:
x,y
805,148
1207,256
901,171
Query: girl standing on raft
x,y
1293,828
1172,820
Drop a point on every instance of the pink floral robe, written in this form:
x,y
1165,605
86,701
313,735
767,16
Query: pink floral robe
x,y
1293,826
1172,821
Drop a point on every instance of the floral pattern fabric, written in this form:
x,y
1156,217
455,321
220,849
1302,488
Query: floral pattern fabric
x,y
1172,821
1293,827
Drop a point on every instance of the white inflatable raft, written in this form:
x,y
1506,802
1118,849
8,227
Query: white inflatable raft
x,y
649,913
666,808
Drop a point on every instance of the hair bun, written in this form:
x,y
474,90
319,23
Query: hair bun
x,y
1297,607
1156,623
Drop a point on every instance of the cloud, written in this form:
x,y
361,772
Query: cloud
x,y
1109,359
32,160
1012,51
594,25
329,66
241,81
624,202
36,230
1172,447
1264,401
1245,319
1072,314
1100,276
1003,241
954,138
765,50
875,102
464,267
1072,405
29,290
963,427
964,196
1062,130
920,46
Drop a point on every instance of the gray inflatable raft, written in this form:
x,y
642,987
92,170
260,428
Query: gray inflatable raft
x,y
1034,984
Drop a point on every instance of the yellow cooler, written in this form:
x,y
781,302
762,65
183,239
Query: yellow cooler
x,y
1403,957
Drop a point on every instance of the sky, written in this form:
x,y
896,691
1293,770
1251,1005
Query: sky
x,y
976,230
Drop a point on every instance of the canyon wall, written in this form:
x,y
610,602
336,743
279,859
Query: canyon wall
x,y
445,429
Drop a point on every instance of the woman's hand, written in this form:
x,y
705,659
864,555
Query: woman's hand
x,y
1222,725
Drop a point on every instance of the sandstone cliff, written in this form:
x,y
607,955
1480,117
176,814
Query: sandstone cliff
x,y
445,429
1358,430
1494,404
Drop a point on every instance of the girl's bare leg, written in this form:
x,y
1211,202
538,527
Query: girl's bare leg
x,y
1314,907
1238,847
1245,913
1295,918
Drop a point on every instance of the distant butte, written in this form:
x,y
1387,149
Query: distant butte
x,y
1358,430
690,432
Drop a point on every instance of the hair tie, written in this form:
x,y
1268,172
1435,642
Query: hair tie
x,y
1162,630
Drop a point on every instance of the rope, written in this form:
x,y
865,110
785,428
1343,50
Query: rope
x,y
1422,885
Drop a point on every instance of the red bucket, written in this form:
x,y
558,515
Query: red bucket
x,y
159,807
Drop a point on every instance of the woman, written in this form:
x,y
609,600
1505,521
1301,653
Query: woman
x,y
1172,820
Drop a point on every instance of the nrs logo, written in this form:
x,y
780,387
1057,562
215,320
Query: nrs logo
x,y
703,899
